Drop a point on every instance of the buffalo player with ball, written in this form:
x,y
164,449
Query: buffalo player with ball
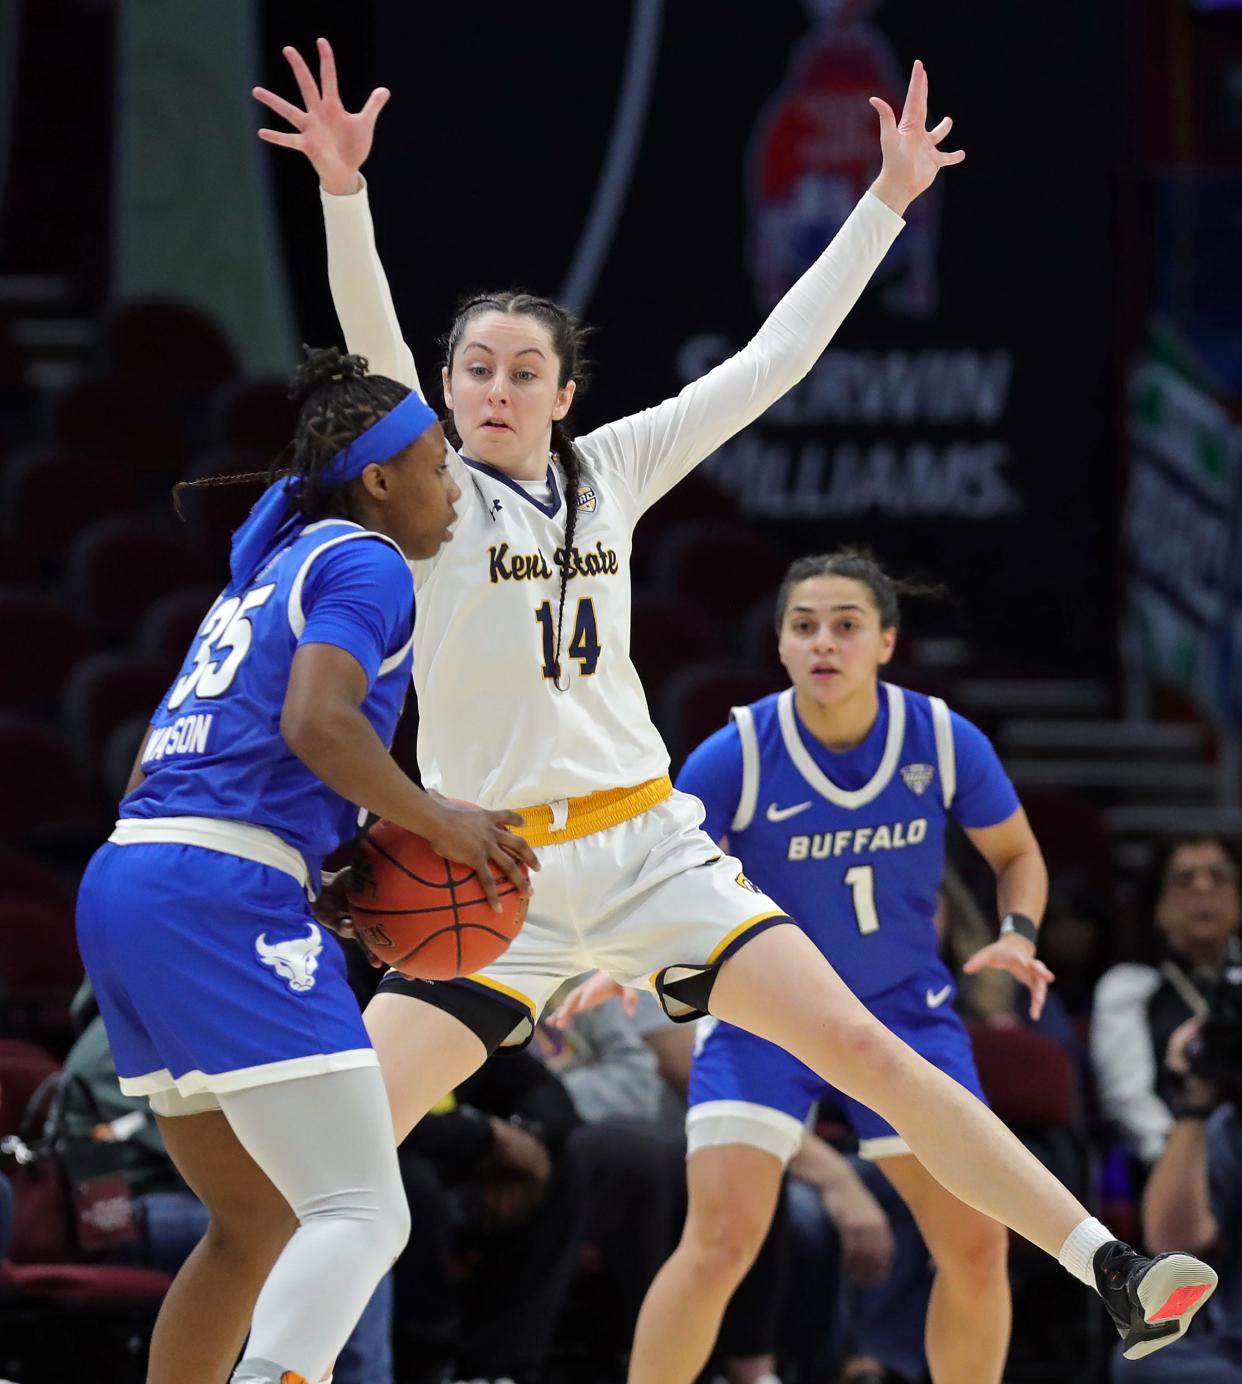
x,y
197,920
537,578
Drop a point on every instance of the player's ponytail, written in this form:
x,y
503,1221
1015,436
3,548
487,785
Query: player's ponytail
x,y
861,565
338,401
569,337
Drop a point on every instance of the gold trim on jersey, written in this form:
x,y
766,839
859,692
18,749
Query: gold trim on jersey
x,y
726,942
594,812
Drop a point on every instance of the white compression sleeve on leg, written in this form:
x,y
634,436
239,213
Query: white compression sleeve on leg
x,y
326,1142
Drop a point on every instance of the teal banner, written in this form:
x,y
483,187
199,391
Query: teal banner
x,y
195,219
1184,533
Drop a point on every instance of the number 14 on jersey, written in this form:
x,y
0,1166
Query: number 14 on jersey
x,y
584,642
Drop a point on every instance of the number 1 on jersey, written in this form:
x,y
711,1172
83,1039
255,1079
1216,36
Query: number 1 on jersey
x,y
584,643
861,880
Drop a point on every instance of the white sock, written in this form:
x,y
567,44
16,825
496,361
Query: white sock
x,y
1078,1251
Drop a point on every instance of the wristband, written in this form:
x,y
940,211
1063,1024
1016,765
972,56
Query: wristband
x,y
1022,925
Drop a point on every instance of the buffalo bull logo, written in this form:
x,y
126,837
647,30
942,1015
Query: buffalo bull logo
x,y
296,960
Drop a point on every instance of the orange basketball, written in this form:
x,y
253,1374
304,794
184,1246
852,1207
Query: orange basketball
x,y
424,915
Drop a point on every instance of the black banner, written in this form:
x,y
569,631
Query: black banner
x,y
678,164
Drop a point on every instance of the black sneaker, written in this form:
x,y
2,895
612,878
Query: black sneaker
x,y
1151,1301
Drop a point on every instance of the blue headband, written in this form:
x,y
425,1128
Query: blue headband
x,y
275,521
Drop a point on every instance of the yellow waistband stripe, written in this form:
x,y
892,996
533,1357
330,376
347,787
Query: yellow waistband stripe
x,y
594,812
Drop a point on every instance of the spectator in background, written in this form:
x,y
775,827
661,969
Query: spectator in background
x,y
1075,940
1193,902
1193,1197
497,1202
628,1073
168,1218
630,1153
992,996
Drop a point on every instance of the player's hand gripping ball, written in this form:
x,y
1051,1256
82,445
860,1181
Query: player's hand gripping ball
x,y
424,915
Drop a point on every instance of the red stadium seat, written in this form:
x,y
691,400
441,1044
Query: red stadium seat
x,y
44,794
107,689
24,1067
722,568
691,500
39,964
755,638
1027,1077
26,876
39,642
256,413
666,636
61,1318
119,568
170,627
1073,835
119,754
19,564
51,494
215,511
168,344
131,425
695,702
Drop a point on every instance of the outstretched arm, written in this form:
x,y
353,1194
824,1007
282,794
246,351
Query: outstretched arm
x,y
656,448
337,142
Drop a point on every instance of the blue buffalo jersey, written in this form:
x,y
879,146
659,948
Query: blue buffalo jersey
x,y
216,749
851,844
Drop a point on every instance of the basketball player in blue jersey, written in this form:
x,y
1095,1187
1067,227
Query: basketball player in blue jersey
x,y
224,1002
835,795
538,577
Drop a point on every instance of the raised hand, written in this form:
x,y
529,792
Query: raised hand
x,y
335,140
911,154
597,989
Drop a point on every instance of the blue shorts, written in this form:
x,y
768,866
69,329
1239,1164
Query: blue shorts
x,y
744,1089
211,974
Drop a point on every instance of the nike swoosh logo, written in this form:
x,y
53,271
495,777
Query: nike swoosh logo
x,y
778,814
935,998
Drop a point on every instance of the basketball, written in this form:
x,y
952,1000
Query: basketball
x,y
426,916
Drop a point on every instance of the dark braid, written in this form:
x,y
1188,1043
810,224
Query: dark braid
x,y
569,336
858,564
571,463
339,401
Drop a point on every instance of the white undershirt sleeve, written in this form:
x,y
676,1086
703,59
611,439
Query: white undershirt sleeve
x,y
655,449
1125,1070
360,289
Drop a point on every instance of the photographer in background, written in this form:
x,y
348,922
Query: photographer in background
x,y
1193,902
1193,1197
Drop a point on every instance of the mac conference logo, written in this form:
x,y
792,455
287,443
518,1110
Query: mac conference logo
x,y
917,777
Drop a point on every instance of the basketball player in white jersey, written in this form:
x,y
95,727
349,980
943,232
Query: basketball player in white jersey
x,y
523,621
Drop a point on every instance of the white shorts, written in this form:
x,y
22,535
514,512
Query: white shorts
x,y
651,901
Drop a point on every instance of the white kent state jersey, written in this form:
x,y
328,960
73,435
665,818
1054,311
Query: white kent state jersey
x,y
493,728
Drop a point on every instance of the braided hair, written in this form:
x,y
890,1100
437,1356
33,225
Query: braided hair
x,y
861,565
569,337
339,400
